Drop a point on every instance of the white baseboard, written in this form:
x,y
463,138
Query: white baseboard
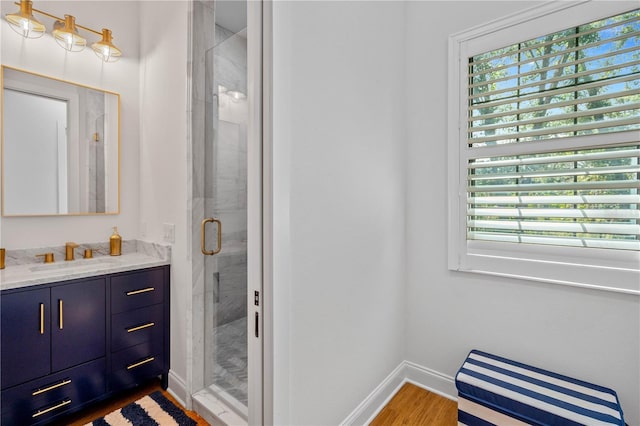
x,y
178,389
431,380
368,408
407,371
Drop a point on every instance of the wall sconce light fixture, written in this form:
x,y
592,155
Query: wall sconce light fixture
x,y
105,48
66,35
65,31
24,23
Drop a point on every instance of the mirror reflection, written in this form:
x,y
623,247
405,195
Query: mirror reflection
x,y
60,147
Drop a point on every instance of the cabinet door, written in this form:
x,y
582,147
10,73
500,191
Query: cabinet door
x,y
78,323
24,336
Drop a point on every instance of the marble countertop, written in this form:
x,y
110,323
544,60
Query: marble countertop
x,y
139,255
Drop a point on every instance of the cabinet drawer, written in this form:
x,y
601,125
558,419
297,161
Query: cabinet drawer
x,y
41,400
136,290
138,326
136,364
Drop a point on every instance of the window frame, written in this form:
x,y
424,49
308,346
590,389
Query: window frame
x,y
602,269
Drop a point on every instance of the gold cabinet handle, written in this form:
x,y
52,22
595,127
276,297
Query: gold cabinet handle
x,y
55,407
140,327
52,387
203,244
42,318
61,316
142,290
138,364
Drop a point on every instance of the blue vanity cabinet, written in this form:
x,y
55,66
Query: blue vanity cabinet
x,y
68,344
25,338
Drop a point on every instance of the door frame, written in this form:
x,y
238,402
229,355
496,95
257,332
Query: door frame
x,y
268,338
257,224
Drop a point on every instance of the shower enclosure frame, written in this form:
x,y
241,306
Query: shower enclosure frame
x,y
260,377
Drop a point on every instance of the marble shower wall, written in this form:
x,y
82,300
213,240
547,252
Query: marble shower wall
x,y
230,60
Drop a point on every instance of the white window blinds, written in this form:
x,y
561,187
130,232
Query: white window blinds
x,y
553,142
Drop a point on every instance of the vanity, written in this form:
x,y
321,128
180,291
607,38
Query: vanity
x,y
78,331
73,333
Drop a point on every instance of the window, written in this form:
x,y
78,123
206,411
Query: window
x,y
545,147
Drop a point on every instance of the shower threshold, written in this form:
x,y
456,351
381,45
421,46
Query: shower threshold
x,y
215,410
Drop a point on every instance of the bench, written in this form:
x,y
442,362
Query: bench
x,y
497,391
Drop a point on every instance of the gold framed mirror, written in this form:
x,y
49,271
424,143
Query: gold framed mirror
x,y
60,147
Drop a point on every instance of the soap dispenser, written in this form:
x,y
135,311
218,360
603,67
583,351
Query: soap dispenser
x,y
115,243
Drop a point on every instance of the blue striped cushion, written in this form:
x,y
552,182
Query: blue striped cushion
x,y
533,395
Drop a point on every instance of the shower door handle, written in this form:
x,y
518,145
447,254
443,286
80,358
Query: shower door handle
x,y
203,240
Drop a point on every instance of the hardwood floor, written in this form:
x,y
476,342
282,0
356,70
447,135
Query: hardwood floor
x,y
411,406
415,406
105,407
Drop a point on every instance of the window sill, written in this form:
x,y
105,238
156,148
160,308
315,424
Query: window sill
x,y
604,278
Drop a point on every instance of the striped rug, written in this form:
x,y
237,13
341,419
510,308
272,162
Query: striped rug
x,y
152,410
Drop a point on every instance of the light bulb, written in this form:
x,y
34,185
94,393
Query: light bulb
x,y
236,95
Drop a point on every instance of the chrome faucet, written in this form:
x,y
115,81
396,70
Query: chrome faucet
x,y
69,250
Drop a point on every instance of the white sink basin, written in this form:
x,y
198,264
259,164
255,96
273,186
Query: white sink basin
x,y
75,265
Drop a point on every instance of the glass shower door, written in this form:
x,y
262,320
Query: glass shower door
x,y
225,206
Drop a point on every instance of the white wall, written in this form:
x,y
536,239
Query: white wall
x,y
338,204
163,157
44,56
586,334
